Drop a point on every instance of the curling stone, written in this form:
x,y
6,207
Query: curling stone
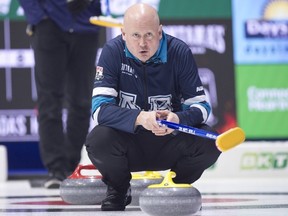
x,y
81,189
170,199
141,181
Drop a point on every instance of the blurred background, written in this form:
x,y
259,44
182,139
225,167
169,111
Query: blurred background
x,y
240,47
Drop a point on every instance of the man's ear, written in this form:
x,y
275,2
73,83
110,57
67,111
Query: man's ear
x,y
160,31
123,34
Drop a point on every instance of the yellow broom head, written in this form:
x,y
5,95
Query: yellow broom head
x,y
230,139
105,21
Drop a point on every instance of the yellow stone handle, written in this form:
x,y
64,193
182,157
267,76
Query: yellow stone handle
x,y
168,182
147,175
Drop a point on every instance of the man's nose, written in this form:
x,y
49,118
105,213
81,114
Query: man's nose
x,y
142,42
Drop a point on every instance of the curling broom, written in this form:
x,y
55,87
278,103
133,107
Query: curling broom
x,y
106,21
225,141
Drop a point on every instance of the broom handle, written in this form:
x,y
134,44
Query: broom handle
x,y
189,129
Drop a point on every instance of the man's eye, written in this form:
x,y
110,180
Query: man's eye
x,y
136,35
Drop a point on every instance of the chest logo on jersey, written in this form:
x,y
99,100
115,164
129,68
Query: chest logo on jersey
x,y
128,70
99,73
160,102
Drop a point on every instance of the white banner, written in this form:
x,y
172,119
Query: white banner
x,y
252,160
16,58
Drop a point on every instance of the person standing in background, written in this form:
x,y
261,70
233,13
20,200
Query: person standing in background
x,y
65,46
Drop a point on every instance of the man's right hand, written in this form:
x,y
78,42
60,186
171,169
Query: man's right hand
x,y
149,121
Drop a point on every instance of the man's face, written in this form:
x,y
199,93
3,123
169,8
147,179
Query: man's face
x,y
142,38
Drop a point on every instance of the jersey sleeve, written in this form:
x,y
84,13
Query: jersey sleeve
x,y
195,107
105,108
33,11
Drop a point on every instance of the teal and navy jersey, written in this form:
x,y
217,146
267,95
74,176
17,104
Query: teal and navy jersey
x,y
124,86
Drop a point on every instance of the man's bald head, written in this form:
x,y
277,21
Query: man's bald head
x,y
141,12
142,31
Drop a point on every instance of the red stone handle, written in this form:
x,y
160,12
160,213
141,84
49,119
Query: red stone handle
x,y
77,173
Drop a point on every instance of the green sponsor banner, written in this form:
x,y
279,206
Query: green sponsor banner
x,y
10,9
195,9
168,9
262,100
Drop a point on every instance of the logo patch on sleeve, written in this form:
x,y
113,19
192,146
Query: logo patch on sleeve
x,y
99,73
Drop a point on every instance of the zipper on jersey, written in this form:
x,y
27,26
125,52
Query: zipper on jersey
x,y
145,93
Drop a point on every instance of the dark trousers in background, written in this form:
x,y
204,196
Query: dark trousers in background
x,y
64,70
116,153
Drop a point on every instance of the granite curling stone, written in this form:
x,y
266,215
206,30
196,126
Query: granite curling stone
x,y
141,181
81,189
170,199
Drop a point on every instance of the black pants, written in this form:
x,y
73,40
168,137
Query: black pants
x,y
116,153
64,70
